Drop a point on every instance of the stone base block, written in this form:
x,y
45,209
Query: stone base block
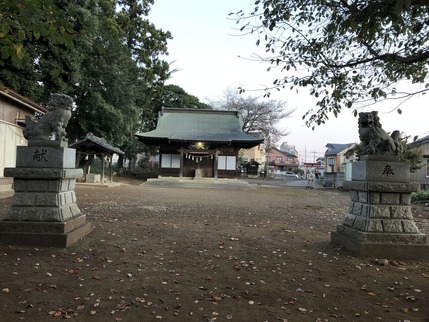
x,y
44,234
43,156
198,174
93,178
383,237
388,169
388,250
43,214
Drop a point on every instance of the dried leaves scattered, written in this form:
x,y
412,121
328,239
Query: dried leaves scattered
x,y
209,255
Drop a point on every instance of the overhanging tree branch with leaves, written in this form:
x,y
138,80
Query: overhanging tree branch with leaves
x,y
348,53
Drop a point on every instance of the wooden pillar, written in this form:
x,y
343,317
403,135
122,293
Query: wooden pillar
x,y
216,164
102,168
111,168
78,158
181,165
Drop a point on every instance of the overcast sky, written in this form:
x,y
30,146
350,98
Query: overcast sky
x,y
210,56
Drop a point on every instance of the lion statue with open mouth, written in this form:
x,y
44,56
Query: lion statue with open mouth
x,y
374,140
53,124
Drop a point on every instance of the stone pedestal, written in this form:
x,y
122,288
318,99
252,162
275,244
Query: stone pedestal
x,y
93,178
43,210
198,174
379,222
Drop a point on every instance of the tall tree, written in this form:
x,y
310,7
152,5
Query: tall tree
x,y
176,97
103,53
147,44
258,115
347,52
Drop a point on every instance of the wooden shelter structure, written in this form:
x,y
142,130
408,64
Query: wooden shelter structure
x,y
92,146
198,143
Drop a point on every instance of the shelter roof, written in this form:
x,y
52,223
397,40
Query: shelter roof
x,y
195,125
92,144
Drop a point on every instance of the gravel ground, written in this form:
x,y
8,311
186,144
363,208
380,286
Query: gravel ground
x,y
184,254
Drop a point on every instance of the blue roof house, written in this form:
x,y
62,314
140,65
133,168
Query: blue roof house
x,y
338,158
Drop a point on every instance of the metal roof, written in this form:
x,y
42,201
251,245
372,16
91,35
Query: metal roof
x,y
285,153
335,148
194,125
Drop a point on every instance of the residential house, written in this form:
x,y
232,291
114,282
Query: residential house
x,y
282,161
255,155
198,143
421,176
13,109
337,163
288,148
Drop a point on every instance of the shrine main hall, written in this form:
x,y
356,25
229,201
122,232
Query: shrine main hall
x,y
198,143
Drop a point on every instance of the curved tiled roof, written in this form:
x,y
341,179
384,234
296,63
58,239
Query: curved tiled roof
x,y
92,144
193,125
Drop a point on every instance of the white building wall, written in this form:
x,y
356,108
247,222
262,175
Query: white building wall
x,y
10,137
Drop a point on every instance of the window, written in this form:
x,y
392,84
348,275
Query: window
x,y
226,162
279,159
170,161
427,168
331,164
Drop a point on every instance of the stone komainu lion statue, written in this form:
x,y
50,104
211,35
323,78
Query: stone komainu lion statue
x,y
374,139
54,122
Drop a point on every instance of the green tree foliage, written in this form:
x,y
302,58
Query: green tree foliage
x,y
176,97
103,53
412,153
146,43
258,115
346,52
106,94
26,21
37,40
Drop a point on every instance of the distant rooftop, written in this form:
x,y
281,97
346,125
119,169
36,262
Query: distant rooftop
x,y
335,148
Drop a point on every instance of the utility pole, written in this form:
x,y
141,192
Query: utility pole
x,y
305,154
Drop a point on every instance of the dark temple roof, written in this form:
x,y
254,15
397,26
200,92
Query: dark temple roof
x,y
199,125
92,144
